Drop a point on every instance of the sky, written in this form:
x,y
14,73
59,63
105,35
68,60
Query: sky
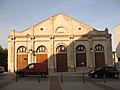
x,y
22,14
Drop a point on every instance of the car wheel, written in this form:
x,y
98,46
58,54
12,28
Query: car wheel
x,y
95,75
92,76
43,75
116,75
21,74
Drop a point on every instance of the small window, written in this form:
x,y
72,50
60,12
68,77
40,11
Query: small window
x,y
41,49
80,48
60,30
41,29
79,28
21,49
61,48
99,47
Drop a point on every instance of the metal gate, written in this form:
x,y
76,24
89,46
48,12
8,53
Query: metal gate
x,y
61,61
22,60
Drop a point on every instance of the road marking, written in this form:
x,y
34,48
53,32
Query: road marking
x,y
54,83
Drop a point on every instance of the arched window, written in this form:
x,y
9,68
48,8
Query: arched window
x,y
21,49
60,30
80,48
61,48
42,49
99,47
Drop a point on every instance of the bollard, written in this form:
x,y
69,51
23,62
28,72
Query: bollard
x,y
104,78
61,78
83,78
16,78
39,77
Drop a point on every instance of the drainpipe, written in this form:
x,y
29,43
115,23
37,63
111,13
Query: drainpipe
x,y
14,57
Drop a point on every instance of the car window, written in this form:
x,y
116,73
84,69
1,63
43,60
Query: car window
x,y
106,69
99,68
112,69
31,67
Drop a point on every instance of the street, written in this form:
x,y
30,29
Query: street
x,y
57,81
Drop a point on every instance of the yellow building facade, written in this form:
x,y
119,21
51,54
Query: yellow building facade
x,y
62,42
117,41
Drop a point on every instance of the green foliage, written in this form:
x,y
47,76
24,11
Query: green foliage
x,y
3,57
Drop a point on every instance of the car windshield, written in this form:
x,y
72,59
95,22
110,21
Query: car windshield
x,y
99,68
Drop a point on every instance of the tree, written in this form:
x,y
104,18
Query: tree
x,y
3,57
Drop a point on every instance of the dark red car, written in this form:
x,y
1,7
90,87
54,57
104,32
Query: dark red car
x,y
34,69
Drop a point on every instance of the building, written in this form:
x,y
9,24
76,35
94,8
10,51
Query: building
x,y
117,41
115,59
62,42
117,44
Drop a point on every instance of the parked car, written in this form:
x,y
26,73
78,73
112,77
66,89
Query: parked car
x,y
107,71
34,69
2,70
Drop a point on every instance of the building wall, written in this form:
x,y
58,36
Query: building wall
x,y
117,40
53,32
117,46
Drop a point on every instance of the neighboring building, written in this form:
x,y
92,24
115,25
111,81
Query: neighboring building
x,y
117,44
62,42
117,41
115,59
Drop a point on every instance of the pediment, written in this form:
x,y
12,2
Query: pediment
x,y
60,24
68,25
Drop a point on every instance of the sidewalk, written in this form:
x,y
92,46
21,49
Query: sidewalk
x,y
70,82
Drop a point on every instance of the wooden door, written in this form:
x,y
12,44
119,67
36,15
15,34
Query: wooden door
x,y
81,60
22,60
61,62
42,58
99,59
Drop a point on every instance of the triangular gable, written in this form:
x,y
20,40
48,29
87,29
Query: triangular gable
x,y
59,24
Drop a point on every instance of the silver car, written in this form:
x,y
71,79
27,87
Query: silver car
x,y
2,69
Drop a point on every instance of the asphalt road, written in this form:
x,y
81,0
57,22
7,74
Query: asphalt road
x,y
57,81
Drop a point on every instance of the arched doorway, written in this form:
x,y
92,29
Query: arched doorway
x,y
42,56
61,58
22,57
81,56
99,56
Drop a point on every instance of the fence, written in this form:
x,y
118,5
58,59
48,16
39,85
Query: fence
x,y
74,77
